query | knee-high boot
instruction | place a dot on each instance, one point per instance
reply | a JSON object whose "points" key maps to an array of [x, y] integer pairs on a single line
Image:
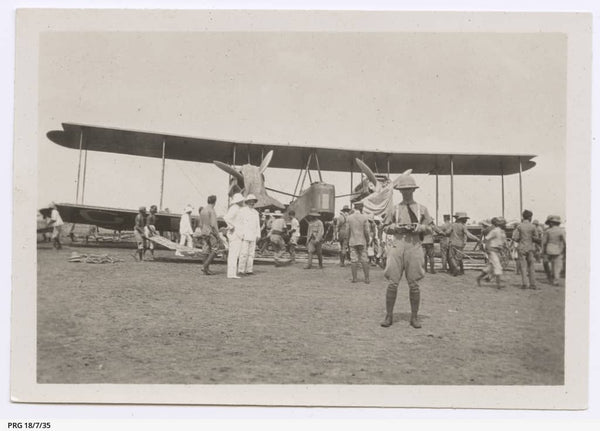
{"points": [[390, 300], [365, 267], [415, 299]]}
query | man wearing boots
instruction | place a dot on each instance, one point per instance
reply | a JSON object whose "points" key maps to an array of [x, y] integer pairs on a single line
{"points": [[209, 229], [428, 251], [358, 225], [495, 241], [458, 234], [409, 221], [278, 230], [342, 233], [138, 232], [553, 247], [526, 235], [445, 242], [314, 237], [150, 228]]}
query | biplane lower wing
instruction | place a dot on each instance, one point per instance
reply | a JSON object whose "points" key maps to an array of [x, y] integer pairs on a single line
{"points": [[113, 218]]}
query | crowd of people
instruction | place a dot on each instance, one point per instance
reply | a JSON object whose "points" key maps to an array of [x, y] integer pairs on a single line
{"points": [[402, 243]]}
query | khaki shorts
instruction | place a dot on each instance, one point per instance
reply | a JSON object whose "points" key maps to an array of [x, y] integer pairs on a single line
{"points": [[404, 257], [211, 242], [494, 258], [358, 253], [139, 239]]}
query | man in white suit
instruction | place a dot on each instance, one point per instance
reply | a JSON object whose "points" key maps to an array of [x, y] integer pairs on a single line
{"points": [[250, 234], [235, 230]]}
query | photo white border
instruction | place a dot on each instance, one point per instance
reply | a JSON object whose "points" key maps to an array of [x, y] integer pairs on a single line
{"points": [[571, 396]]}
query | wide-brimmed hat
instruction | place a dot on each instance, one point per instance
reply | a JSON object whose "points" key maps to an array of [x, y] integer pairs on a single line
{"points": [[314, 213], [237, 198], [553, 219], [188, 209], [460, 215], [251, 197], [277, 213], [51, 205], [346, 209]]}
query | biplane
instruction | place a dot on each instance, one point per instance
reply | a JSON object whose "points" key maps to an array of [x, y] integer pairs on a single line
{"points": [[249, 177]]}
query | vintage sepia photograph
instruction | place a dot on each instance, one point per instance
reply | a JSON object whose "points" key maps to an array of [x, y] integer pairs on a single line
{"points": [[231, 198]]}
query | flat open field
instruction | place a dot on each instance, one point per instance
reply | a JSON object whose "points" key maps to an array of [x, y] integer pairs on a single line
{"points": [[160, 322]]}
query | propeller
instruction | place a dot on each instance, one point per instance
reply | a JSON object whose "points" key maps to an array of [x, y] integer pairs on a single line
{"points": [[265, 162], [367, 171], [230, 170]]}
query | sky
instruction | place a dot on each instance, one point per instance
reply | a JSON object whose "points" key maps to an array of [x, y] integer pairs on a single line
{"points": [[491, 93]]}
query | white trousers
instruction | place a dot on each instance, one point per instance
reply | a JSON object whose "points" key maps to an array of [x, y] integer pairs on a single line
{"points": [[235, 244], [186, 239], [246, 262]]}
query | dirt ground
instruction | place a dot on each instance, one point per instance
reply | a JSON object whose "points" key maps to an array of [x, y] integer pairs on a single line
{"points": [[161, 322]]}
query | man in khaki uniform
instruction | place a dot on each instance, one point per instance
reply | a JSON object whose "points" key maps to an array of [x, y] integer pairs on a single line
{"points": [[358, 225], [458, 234], [314, 237], [554, 245], [210, 232], [278, 229], [342, 233], [409, 221], [444, 242], [526, 235]]}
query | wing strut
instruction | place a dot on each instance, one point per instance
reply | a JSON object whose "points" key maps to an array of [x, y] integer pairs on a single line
{"points": [[306, 171], [84, 176], [452, 185], [318, 167], [520, 186], [79, 166], [502, 186], [162, 176]]}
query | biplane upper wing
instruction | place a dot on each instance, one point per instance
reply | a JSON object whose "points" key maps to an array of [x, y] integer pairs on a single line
{"points": [[285, 156]]}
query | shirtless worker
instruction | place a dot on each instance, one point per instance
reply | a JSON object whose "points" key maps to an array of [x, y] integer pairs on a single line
{"points": [[138, 232], [209, 229], [408, 222], [150, 228]]}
